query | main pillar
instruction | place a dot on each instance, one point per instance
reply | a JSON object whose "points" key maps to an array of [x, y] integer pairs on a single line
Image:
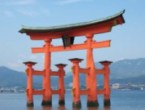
{"points": [[29, 90], [61, 83], [91, 81], [106, 82], [47, 96], [76, 83]]}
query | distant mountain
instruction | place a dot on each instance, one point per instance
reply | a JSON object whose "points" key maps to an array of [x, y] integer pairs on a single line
{"points": [[123, 71], [10, 78], [128, 68], [134, 80]]}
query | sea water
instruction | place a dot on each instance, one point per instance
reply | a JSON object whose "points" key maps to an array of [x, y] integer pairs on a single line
{"points": [[120, 100]]}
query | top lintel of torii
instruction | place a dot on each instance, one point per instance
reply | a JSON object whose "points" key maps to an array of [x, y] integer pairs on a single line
{"points": [[74, 30]]}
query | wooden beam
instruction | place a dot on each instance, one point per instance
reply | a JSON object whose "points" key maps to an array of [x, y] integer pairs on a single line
{"points": [[84, 92], [84, 70], [100, 71], [54, 73], [38, 50], [83, 46], [101, 44], [55, 91], [70, 48], [100, 91], [38, 92], [36, 72]]}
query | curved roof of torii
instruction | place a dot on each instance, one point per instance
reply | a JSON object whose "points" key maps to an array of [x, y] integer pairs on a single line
{"points": [[114, 19]]}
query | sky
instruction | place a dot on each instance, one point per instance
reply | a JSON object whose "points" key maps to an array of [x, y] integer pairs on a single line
{"points": [[127, 40]]}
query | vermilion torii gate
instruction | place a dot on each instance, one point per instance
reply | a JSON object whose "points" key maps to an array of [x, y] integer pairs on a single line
{"points": [[68, 33]]}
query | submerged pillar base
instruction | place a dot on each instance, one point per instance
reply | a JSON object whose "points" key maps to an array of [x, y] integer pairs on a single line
{"points": [[61, 102], [46, 103], [92, 104], [107, 102], [30, 104], [77, 104]]}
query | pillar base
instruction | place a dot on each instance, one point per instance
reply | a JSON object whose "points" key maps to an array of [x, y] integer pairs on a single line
{"points": [[61, 102], [107, 102], [46, 103], [30, 104], [76, 104], [92, 104]]}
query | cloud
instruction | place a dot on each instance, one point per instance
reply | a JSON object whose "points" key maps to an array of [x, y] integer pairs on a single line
{"points": [[18, 2], [45, 12], [68, 1], [9, 7], [18, 64], [63, 2], [15, 65], [7, 13], [29, 13], [23, 2], [23, 57], [25, 8], [34, 13]]}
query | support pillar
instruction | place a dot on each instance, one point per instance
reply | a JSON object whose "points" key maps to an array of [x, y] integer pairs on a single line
{"points": [[91, 81], [106, 82], [47, 96], [61, 86], [76, 83], [29, 90]]}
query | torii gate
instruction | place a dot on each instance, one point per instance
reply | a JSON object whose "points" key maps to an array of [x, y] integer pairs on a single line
{"points": [[68, 33]]}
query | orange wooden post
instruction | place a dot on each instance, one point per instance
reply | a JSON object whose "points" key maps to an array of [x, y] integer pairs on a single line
{"points": [[91, 80], [106, 82], [76, 82], [61, 86], [47, 96], [29, 90]]}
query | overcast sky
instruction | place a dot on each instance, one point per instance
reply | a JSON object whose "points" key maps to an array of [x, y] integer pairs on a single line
{"points": [[127, 40]]}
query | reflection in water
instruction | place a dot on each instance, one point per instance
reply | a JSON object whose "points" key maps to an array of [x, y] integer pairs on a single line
{"points": [[76, 109], [107, 108], [63, 108], [46, 108], [30, 108], [92, 108]]}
